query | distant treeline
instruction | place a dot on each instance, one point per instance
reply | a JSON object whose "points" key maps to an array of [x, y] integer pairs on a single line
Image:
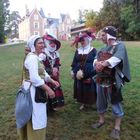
{"points": [[123, 14]]}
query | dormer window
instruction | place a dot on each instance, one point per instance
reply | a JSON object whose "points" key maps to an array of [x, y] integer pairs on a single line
{"points": [[35, 17]]}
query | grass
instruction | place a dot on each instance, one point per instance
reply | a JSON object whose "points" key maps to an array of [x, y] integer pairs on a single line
{"points": [[68, 123]]}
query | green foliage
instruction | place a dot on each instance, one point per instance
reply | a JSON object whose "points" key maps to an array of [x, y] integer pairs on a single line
{"points": [[124, 15], [127, 13], [69, 123], [13, 26], [131, 21], [1, 23], [4, 16], [110, 14], [90, 17]]}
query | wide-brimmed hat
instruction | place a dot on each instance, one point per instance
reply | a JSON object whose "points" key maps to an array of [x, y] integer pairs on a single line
{"points": [[80, 37], [51, 38]]}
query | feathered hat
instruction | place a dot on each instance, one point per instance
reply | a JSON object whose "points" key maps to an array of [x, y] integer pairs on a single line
{"points": [[51, 38], [86, 34]]}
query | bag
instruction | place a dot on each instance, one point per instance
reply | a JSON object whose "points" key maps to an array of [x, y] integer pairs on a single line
{"points": [[104, 80], [23, 107], [106, 77], [87, 81], [40, 95], [104, 56]]}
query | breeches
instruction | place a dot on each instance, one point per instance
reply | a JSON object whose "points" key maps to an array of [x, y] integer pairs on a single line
{"points": [[103, 98]]}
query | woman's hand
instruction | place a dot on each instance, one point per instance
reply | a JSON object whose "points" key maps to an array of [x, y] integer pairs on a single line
{"points": [[55, 72], [51, 93], [55, 83], [72, 74], [48, 90]]}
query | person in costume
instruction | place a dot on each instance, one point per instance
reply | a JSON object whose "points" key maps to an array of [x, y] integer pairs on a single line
{"points": [[82, 70], [112, 67], [36, 75], [51, 61]]}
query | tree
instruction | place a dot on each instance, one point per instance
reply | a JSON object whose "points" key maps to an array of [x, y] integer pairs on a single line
{"points": [[14, 20], [4, 17], [91, 17], [81, 17], [110, 13], [131, 21], [124, 15]]}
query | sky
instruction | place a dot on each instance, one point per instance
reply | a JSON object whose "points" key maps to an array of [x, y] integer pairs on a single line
{"points": [[55, 7]]}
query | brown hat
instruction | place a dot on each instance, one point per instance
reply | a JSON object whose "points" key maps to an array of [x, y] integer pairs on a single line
{"points": [[51, 38], [81, 37]]}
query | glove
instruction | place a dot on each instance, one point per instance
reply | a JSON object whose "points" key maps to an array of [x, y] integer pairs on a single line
{"points": [[79, 74]]}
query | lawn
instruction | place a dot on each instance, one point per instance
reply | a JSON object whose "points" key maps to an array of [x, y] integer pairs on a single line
{"points": [[69, 123]]}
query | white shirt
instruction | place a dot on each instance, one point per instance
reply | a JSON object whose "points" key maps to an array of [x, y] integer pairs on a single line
{"points": [[113, 61]]}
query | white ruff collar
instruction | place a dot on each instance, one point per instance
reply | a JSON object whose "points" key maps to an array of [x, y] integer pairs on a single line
{"points": [[52, 55], [51, 49], [84, 50]]}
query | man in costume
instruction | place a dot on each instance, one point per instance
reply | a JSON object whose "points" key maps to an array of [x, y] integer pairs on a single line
{"points": [[113, 71]]}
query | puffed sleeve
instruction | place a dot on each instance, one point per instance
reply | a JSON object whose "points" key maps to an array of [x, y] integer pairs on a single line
{"points": [[31, 63], [47, 77]]}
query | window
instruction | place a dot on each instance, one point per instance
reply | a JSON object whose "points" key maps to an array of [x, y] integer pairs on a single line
{"points": [[36, 25], [36, 33], [35, 17]]}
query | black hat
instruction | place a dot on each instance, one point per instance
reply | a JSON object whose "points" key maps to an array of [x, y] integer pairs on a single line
{"points": [[110, 30]]}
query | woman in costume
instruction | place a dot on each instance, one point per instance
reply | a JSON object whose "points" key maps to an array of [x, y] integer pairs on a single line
{"points": [[82, 70], [36, 75], [51, 61]]}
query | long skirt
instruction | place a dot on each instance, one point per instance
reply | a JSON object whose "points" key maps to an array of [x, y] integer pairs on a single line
{"points": [[27, 133], [58, 101], [85, 92]]}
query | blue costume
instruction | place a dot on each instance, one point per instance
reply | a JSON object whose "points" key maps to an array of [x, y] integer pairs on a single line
{"points": [[84, 89]]}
